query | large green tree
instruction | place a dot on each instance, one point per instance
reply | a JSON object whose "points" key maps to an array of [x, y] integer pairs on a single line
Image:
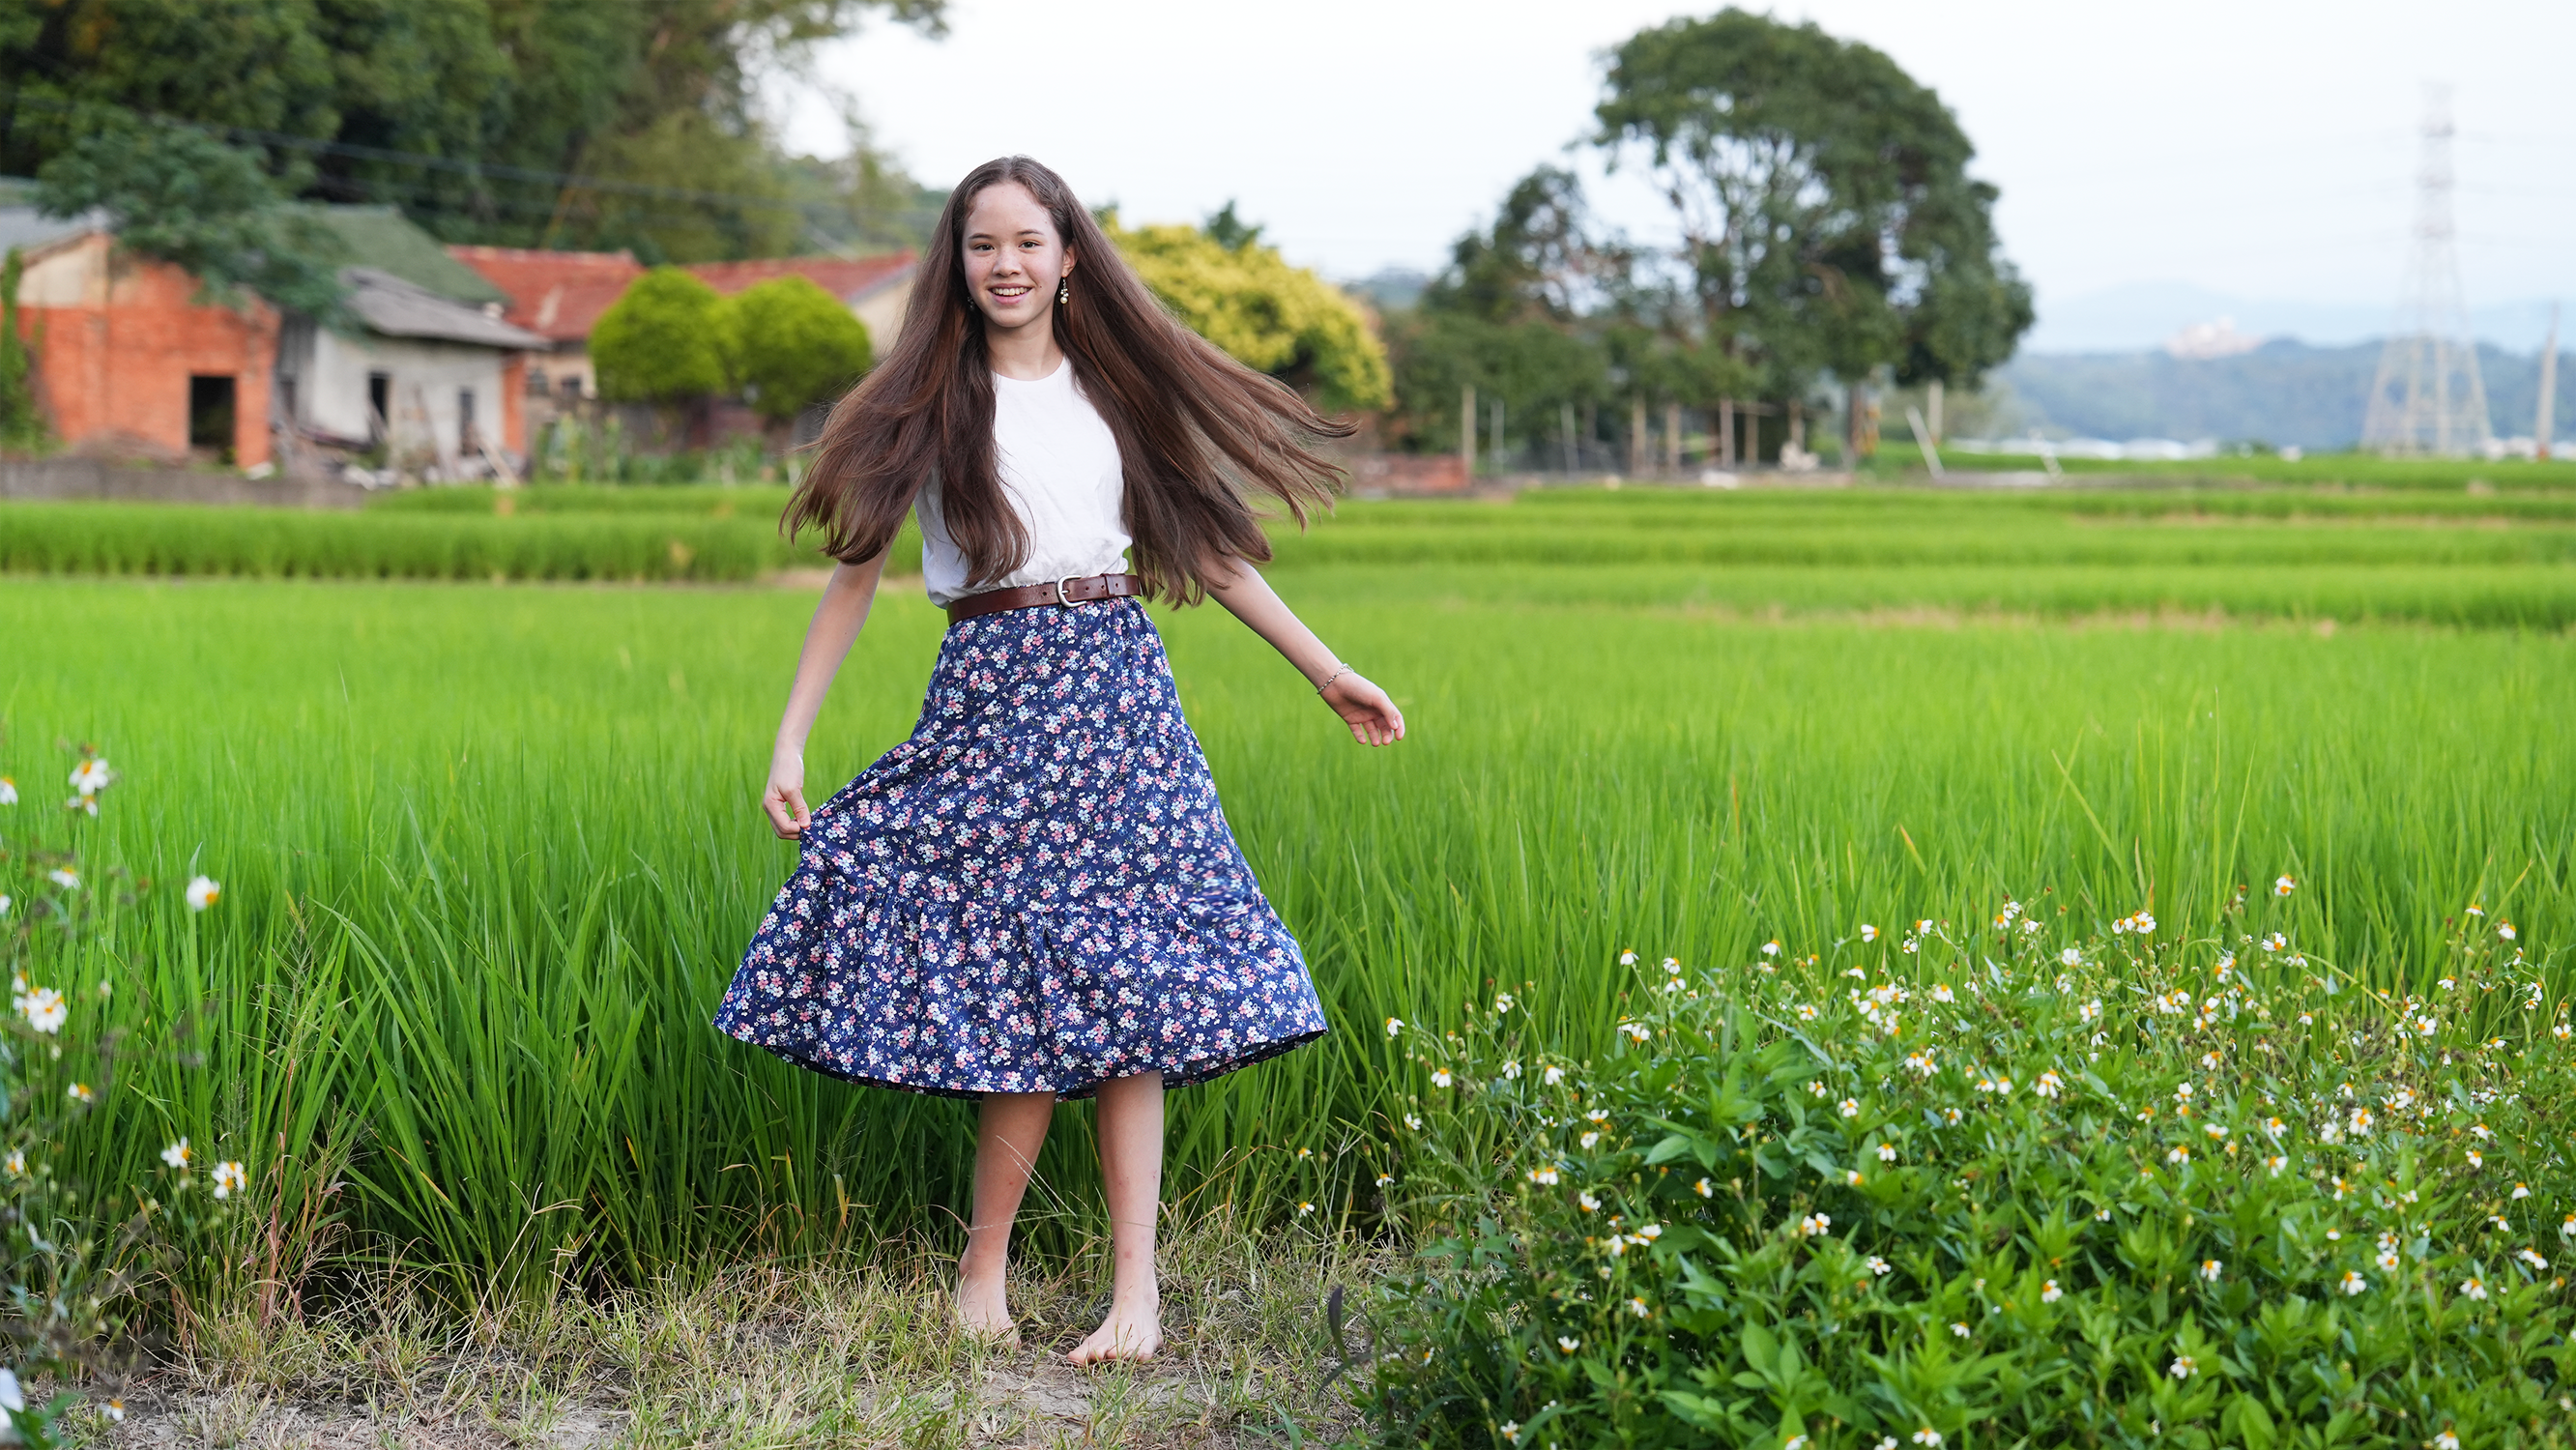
{"points": [[1532, 313], [180, 195], [470, 114], [1828, 216]]}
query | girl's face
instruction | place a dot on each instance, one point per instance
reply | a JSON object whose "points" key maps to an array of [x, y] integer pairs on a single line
{"points": [[1014, 258]]}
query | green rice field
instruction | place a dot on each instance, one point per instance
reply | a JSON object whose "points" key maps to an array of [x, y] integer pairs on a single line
{"points": [[489, 851]]}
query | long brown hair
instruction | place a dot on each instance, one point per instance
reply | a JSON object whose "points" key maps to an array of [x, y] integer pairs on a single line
{"points": [[1199, 434]]}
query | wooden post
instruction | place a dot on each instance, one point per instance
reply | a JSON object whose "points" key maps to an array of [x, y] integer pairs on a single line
{"points": [[1497, 449], [1726, 432], [1565, 432], [1636, 435], [1673, 438], [1467, 427], [1932, 405], [1753, 438]]}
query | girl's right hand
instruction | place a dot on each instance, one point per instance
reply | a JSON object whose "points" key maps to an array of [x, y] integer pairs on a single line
{"points": [[784, 800]]}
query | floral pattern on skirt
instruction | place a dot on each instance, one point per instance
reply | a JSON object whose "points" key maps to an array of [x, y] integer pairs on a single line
{"points": [[1035, 892]]}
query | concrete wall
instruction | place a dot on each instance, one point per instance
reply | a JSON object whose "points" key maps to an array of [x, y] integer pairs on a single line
{"points": [[116, 338], [569, 362], [424, 413], [882, 311]]}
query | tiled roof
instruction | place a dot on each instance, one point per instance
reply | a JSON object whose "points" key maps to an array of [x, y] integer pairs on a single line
{"points": [[557, 295], [842, 277], [26, 227], [399, 308], [383, 238]]}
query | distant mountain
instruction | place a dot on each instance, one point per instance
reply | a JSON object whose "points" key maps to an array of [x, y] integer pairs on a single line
{"points": [[2146, 314], [1391, 286], [2283, 392]]}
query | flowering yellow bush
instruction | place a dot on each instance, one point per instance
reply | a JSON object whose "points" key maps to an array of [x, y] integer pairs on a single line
{"points": [[1265, 314], [1996, 1187]]}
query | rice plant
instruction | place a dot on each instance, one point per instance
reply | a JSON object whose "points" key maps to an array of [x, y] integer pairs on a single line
{"points": [[489, 854]]}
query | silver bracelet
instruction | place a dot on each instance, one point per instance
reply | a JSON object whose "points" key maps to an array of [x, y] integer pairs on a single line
{"points": [[1338, 672]]}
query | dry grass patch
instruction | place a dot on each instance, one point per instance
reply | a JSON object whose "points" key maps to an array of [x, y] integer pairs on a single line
{"points": [[855, 1354]]}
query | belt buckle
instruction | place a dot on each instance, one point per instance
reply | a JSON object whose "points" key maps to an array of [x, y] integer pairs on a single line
{"points": [[1061, 601]]}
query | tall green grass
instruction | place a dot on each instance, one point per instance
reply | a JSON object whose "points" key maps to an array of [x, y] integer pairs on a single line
{"points": [[2395, 554], [166, 539], [2360, 470], [491, 854]]}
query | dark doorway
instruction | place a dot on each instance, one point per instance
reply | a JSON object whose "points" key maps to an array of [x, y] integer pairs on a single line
{"points": [[469, 441], [380, 406], [210, 416]]}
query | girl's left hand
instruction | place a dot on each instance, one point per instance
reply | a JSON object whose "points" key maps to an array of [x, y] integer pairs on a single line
{"points": [[1364, 707]]}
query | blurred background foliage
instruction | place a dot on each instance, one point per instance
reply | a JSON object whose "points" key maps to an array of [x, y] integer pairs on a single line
{"points": [[533, 123]]}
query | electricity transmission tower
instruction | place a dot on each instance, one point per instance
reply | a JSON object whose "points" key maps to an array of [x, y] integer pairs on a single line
{"points": [[2427, 399]]}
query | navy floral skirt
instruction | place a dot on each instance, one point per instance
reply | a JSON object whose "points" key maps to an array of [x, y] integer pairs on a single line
{"points": [[1036, 892]]}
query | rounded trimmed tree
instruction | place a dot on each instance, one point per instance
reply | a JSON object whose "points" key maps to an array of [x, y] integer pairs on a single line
{"points": [[793, 345], [661, 341]]}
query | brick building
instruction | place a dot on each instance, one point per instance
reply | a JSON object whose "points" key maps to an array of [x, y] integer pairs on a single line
{"points": [[129, 360]]}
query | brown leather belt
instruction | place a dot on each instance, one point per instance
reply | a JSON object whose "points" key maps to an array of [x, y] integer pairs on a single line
{"points": [[1066, 592]]}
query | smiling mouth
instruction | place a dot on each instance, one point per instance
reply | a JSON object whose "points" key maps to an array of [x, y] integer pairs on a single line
{"points": [[1011, 294]]}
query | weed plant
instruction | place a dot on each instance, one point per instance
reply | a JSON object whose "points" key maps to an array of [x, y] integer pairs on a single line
{"points": [[1996, 1184], [94, 1232]]}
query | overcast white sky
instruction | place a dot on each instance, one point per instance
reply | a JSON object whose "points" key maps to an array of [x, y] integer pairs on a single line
{"points": [[2253, 149]]}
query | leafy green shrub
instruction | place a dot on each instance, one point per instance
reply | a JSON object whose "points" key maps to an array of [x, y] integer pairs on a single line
{"points": [[1991, 1187], [21, 425], [793, 345], [661, 341], [1240, 294]]}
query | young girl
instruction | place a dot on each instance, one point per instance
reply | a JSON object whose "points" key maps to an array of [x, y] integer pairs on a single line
{"points": [[1036, 896]]}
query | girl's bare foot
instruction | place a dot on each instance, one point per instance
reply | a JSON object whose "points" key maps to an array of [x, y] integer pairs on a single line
{"points": [[982, 1311], [1129, 1333]]}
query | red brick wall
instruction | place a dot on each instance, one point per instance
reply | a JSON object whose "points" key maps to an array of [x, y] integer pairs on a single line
{"points": [[1409, 472], [514, 403], [121, 371]]}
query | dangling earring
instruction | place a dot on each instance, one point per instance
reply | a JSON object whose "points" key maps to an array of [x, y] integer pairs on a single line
{"points": [[1064, 289]]}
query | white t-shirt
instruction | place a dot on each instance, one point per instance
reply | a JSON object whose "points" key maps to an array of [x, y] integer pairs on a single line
{"points": [[1060, 469]]}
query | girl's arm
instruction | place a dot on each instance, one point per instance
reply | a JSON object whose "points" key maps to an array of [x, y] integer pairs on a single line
{"points": [[1364, 707], [837, 618]]}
